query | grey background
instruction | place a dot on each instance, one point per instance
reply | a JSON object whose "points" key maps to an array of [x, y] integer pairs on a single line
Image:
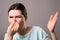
{"points": [[38, 11]]}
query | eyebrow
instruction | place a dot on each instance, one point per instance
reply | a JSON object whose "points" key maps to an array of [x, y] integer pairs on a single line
{"points": [[17, 16]]}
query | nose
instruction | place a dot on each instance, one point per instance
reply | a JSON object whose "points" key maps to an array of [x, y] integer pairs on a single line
{"points": [[14, 19]]}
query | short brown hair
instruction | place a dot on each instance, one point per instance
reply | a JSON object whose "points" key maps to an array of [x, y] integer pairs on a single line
{"points": [[19, 6]]}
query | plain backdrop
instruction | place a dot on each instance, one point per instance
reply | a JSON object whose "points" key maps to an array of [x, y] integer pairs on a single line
{"points": [[38, 11]]}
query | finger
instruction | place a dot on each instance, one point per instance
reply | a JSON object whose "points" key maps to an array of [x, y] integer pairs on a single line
{"points": [[55, 17], [16, 26], [51, 17], [55, 20], [56, 14], [11, 25]]}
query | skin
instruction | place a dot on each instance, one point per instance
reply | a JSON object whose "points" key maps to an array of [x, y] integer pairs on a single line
{"points": [[16, 21], [51, 25], [52, 22], [17, 24]]}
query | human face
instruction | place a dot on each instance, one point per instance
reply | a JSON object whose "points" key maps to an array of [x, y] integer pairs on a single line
{"points": [[16, 15]]}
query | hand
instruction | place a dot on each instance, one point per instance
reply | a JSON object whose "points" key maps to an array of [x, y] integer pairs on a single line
{"points": [[12, 29], [52, 22]]}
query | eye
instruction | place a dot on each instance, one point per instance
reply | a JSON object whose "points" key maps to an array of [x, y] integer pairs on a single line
{"points": [[19, 17], [11, 17]]}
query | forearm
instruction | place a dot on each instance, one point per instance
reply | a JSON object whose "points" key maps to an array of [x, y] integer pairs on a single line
{"points": [[53, 36]]}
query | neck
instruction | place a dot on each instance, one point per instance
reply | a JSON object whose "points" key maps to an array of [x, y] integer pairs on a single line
{"points": [[24, 30]]}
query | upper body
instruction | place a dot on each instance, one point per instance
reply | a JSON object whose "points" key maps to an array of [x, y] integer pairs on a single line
{"points": [[17, 17], [36, 33]]}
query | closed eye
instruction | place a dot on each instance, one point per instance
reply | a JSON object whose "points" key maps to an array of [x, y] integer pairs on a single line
{"points": [[11, 17], [18, 17]]}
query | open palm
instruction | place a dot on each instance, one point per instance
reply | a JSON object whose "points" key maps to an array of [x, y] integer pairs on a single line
{"points": [[52, 22]]}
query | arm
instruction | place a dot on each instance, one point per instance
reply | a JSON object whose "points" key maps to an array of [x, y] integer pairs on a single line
{"points": [[53, 35], [8, 37], [51, 25]]}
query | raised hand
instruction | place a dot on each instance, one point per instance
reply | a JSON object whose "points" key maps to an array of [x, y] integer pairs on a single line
{"points": [[52, 22]]}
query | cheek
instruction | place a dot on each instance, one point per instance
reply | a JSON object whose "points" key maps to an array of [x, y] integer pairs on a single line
{"points": [[10, 20], [19, 20]]}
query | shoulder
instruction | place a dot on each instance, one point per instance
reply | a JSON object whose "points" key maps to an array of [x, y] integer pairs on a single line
{"points": [[41, 33], [37, 28]]}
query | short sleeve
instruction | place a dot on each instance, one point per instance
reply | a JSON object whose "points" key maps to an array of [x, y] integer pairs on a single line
{"points": [[42, 35]]}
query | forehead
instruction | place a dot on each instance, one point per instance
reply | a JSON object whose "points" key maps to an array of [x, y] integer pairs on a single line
{"points": [[14, 12]]}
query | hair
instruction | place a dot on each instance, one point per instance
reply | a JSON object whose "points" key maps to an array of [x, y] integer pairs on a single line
{"points": [[18, 6]]}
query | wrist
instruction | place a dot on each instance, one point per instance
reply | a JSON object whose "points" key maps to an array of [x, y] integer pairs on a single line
{"points": [[8, 34]]}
